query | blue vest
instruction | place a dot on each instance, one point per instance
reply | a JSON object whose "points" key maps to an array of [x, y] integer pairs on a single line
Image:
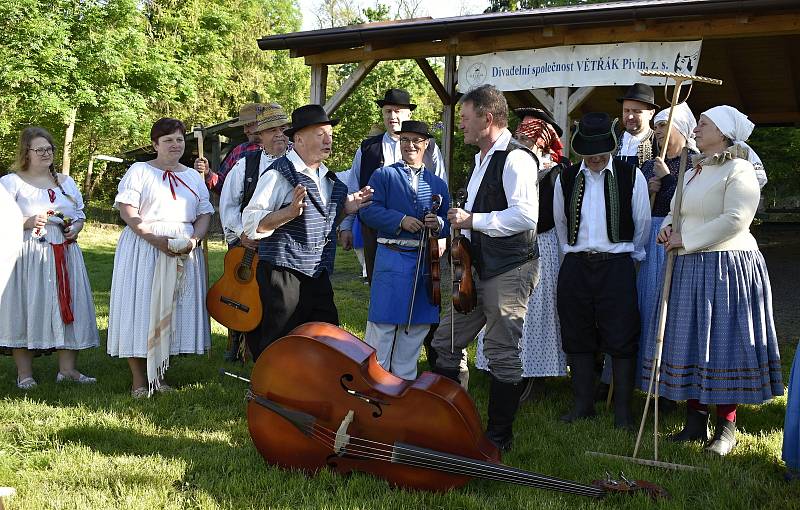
{"points": [[307, 243]]}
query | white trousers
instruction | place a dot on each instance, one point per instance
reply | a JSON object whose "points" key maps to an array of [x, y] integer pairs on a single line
{"points": [[397, 351]]}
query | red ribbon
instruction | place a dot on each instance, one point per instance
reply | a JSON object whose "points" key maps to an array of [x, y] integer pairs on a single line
{"points": [[52, 195], [173, 179], [543, 135], [62, 278]]}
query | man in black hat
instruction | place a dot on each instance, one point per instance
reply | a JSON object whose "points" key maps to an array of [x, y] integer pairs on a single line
{"points": [[637, 143], [602, 215], [383, 150], [499, 217], [294, 213], [400, 312]]}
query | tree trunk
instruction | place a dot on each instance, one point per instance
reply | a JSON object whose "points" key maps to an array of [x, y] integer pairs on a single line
{"points": [[65, 162]]}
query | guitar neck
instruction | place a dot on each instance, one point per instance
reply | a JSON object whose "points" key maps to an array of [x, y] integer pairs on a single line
{"points": [[249, 254]]}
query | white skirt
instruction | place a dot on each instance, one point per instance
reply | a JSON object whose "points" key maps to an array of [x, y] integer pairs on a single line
{"points": [[541, 333], [129, 310], [30, 315]]}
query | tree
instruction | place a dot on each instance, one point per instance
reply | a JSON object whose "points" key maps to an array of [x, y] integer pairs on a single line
{"points": [[516, 5]]}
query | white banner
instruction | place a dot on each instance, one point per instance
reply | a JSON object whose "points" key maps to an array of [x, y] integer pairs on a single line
{"points": [[578, 66]]}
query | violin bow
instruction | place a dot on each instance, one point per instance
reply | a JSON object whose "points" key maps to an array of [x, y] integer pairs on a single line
{"points": [[422, 238]]}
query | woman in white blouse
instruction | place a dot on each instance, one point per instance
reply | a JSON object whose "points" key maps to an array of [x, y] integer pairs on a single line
{"points": [[158, 288], [720, 345], [47, 301]]}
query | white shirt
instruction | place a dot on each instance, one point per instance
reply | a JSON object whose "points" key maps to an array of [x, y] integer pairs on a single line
{"points": [[630, 143], [230, 200], [520, 175], [593, 232], [274, 192], [391, 154]]}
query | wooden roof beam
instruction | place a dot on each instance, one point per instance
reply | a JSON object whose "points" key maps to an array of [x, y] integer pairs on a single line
{"points": [[349, 85], [472, 44], [433, 79]]}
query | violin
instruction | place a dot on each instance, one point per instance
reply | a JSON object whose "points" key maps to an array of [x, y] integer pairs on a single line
{"points": [[465, 298], [319, 399], [435, 276]]}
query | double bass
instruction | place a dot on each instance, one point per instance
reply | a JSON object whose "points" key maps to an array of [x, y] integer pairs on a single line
{"points": [[319, 399]]}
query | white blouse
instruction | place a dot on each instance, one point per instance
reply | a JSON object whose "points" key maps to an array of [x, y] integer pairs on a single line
{"points": [[151, 189], [32, 200]]}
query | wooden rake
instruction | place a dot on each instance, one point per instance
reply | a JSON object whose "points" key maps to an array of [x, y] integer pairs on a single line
{"points": [[655, 372]]}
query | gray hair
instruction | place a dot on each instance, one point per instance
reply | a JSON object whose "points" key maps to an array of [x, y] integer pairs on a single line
{"points": [[488, 99]]}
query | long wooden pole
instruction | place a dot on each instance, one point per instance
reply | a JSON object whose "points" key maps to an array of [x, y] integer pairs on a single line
{"points": [[663, 306], [198, 134]]}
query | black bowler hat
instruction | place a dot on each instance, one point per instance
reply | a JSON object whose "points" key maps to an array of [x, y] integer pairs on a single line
{"points": [[538, 113], [415, 126], [640, 92], [397, 97], [308, 115], [595, 135]]}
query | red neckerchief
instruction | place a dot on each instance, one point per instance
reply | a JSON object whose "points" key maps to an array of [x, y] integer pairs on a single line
{"points": [[174, 179]]}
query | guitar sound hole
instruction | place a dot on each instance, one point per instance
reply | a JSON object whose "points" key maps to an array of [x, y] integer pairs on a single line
{"points": [[243, 273]]}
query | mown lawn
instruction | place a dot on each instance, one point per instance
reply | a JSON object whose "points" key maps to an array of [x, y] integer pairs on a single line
{"points": [[68, 447]]}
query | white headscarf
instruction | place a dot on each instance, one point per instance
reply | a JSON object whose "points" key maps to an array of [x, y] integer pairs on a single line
{"points": [[682, 120], [736, 126]]}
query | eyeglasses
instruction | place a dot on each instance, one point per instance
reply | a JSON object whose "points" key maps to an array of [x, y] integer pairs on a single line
{"points": [[41, 151], [416, 141]]}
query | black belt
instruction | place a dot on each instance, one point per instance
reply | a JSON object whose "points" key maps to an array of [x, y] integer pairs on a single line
{"points": [[397, 247], [596, 256]]}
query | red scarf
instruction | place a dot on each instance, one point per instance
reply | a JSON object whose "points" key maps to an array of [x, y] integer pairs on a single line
{"points": [[62, 279], [543, 135], [174, 179]]}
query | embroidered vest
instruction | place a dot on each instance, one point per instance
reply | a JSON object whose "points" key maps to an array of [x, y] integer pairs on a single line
{"points": [[307, 243], [646, 150], [618, 194], [496, 255]]}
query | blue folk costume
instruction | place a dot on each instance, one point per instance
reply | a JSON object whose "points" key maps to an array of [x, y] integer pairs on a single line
{"points": [[392, 199], [791, 428]]}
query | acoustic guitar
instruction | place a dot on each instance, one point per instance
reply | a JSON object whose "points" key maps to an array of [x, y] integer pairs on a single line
{"points": [[233, 300]]}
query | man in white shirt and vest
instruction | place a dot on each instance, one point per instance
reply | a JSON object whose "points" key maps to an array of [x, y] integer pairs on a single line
{"points": [[637, 143], [293, 213], [602, 215], [499, 217], [384, 150]]}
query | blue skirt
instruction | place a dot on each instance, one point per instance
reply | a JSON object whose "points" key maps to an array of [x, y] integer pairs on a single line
{"points": [[648, 287], [720, 345], [791, 426]]}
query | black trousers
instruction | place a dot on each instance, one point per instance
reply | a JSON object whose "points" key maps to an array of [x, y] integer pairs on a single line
{"points": [[597, 305], [289, 299]]}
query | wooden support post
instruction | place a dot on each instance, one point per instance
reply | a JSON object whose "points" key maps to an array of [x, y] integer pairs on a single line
{"points": [[561, 112], [577, 98], [545, 98], [349, 85], [449, 114], [319, 83], [216, 152]]}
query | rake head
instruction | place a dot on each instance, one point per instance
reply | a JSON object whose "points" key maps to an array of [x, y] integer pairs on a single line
{"points": [[682, 77]]}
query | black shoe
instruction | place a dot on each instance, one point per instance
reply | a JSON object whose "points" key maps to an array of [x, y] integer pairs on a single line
{"points": [[503, 404], [583, 381], [724, 437], [695, 429], [624, 376]]}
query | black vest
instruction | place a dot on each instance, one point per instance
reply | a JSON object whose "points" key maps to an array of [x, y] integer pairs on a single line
{"points": [[496, 255], [547, 187], [252, 162], [618, 193]]}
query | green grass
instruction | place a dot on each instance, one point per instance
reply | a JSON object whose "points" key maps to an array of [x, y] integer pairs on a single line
{"points": [[65, 447]]}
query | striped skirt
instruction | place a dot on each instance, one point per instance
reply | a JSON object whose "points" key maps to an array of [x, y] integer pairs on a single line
{"points": [[720, 345]]}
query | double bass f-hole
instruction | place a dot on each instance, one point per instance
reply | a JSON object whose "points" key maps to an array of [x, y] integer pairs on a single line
{"points": [[346, 378]]}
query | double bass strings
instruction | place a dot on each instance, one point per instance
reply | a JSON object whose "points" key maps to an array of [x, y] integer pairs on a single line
{"points": [[442, 462]]}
